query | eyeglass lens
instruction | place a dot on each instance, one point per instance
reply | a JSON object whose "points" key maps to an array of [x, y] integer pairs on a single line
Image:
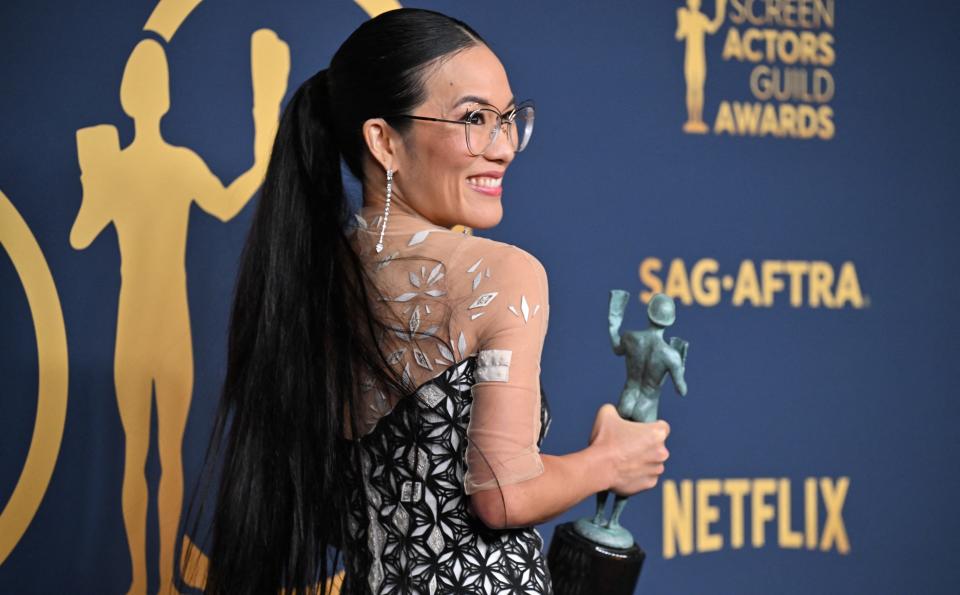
{"points": [[484, 126]]}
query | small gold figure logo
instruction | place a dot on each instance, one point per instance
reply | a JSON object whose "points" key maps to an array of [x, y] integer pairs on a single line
{"points": [[693, 27]]}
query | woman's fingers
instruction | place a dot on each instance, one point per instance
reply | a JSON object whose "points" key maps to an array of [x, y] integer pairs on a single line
{"points": [[637, 451], [663, 426]]}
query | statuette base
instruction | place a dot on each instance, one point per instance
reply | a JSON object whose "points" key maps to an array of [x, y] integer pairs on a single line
{"points": [[581, 567]]}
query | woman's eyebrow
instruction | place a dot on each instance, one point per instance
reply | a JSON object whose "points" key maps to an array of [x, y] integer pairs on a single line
{"points": [[478, 99]]}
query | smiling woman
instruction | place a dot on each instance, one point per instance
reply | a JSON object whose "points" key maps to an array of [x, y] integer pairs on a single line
{"points": [[440, 169], [382, 399]]}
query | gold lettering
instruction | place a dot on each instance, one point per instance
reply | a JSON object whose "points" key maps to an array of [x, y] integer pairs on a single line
{"points": [[808, 14], [704, 282], [738, 12], [823, 13], [770, 82], [807, 125], [787, 47], [810, 511], [808, 48], [820, 280], [724, 121], [823, 86], [848, 287], [770, 123], [827, 54], [761, 511], [648, 270], [834, 530], [707, 514], [682, 501], [748, 117], [788, 39], [771, 36], [702, 285], [788, 119], [771, 283], [796, 269], [737, 489], [786, 536], [805, 14], [761, 82], [751, 15], [677, 518], [772, 12], [747, 286], [749, 36], [788, 13], [732, 46], [677, 283], [827, 129]]}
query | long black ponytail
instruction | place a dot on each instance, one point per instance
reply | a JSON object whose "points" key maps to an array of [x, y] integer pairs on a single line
{"points": [[302, 332]]}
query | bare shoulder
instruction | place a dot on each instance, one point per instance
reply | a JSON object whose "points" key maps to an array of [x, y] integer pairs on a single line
{"points": [[485, 254]]}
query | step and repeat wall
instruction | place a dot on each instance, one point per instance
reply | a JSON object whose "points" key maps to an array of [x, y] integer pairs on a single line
{"points": [[784, 169]]}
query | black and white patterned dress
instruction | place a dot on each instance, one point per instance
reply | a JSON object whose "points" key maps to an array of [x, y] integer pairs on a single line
{"points": [[418, 534]]}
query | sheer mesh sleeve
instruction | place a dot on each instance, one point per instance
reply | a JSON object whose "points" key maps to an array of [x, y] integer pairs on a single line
{"points": [[505, 417]]}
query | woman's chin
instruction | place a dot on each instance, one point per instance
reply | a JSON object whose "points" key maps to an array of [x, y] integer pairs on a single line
{"points": [[485, 216]]}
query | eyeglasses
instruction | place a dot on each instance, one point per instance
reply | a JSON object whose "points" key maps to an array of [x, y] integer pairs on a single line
{"points": [[483, 124]]}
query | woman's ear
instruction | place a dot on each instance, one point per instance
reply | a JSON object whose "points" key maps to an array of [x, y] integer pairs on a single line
{"points": [[383, 142]]}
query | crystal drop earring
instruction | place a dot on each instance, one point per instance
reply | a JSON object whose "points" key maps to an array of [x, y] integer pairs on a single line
{"points": [[386, 210]]}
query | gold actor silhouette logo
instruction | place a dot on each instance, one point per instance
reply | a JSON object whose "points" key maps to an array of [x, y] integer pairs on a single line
{"points": [[146, 190], [693, 27]]}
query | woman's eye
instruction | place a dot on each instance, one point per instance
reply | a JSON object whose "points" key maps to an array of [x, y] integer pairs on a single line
{"points": [[475, 118]]}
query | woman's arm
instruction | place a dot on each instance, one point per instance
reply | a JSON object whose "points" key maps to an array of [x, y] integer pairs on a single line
{"points": [[625, 457]]}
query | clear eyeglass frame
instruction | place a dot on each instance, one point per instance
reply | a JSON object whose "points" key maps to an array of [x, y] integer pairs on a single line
{"points": [[481, 119]]}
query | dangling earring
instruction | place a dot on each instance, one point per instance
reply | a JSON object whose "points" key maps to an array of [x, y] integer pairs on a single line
{"points": [[386, 210]]}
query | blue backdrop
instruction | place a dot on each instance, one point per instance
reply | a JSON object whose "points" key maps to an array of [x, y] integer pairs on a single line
{"points": [[806, 233]]}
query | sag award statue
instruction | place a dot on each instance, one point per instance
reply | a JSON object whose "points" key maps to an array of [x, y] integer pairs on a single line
{"points": [[598, 555]]}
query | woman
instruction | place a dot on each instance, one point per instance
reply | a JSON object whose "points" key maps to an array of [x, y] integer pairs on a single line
{"points": [[382, 396]]}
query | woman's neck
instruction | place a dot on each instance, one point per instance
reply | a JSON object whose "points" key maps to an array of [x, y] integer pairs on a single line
{"points": [[399, 210]]}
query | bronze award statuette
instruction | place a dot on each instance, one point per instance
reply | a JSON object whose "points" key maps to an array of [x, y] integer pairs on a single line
{"points": [[597, 555]]}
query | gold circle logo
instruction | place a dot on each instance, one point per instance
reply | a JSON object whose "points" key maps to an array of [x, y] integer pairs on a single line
{"points": [[23, 249]]}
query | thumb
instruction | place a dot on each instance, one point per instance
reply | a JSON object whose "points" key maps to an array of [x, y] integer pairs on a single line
{"points": [[602, 419]]}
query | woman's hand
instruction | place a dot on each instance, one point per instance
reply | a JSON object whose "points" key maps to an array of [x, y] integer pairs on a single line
{"points": [[634, 451], [624, 456]]}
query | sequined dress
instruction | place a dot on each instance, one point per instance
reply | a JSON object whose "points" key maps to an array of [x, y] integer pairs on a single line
{"points": [[469, 318]]}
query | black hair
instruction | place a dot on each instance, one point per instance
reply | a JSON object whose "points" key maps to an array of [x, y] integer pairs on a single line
{"points": [[302, 331]]}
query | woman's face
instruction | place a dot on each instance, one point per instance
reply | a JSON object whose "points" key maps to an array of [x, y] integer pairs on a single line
{"points": [[436, 174]]}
